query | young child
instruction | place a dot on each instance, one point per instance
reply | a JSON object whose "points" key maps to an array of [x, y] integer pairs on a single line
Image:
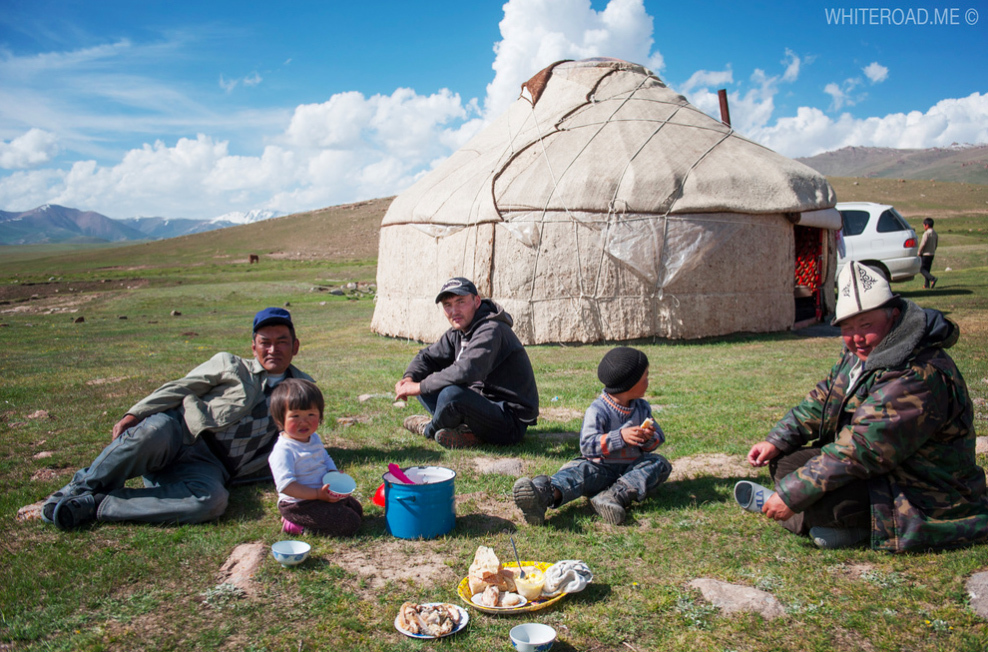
{"points": [[616, 466], [299, 461]]}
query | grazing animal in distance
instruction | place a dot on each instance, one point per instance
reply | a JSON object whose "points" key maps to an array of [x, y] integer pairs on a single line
{"points": [[253, 258]]}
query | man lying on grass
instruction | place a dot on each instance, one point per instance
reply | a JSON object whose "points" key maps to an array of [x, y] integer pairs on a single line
{"points": [[189, 439], [892, 432]]}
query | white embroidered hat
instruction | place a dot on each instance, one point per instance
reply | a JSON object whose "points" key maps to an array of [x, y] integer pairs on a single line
{"points": [[859, 289]]}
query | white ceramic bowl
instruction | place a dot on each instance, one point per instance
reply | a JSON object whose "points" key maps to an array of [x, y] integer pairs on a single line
{"points": [[290, 553], [532, 637], [340, 484]]}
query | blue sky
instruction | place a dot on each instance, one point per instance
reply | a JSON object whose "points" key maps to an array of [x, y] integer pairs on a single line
{"points": [[195, 109]]}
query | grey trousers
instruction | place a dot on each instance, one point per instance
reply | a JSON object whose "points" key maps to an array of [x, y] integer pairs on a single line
{"points": [[183, 483]]}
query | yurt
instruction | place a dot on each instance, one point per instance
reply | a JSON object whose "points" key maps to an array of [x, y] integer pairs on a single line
{"points": [[602, 206]]}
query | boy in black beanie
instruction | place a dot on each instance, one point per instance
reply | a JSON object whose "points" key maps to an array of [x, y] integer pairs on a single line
{"points": [[618, 435]]}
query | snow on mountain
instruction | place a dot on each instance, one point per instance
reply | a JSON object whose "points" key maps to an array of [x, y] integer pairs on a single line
{"points": [[249, 217]]}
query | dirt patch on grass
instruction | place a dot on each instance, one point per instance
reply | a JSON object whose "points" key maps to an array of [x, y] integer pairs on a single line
{"points": [[559, 414], [852, 571], [396, 560], [20, 292], [716, 465]]}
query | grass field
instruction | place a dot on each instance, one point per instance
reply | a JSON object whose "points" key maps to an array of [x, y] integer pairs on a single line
{"points": [[137, 587]]}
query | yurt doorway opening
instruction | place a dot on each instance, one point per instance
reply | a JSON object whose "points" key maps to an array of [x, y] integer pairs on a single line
{"points": [[809, 275]]}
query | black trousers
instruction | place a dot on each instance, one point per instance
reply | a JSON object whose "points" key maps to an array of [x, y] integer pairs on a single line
{"points": [[846, 507]]}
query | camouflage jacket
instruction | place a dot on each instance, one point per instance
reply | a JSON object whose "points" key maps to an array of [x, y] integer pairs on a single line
{"points": [[907, 428]]}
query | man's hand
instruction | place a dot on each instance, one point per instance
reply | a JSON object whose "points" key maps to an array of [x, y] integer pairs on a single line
{"points": [[776, 509], [636, 435], [761, 453], [128, 421], [406, 387]]}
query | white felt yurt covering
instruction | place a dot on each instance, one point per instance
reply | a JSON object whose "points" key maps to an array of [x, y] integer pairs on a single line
{"points": [[603, 206]]}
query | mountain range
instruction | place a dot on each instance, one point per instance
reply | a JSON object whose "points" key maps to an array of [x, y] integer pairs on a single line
{"points": [[957, 163], [57, 224]]}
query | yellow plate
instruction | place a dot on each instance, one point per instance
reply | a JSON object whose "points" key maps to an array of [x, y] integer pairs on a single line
{"points": [[463, 590]]}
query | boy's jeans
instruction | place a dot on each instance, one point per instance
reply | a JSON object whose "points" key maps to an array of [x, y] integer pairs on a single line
{"points": [[581, 477], [455, 405]]}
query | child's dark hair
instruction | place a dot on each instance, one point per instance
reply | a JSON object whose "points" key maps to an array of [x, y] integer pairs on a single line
{"points": [[294, 394], [928, 222]]}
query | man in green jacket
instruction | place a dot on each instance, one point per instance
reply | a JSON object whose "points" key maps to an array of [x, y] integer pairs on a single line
{"points": [[189, 439], [883, 449]]}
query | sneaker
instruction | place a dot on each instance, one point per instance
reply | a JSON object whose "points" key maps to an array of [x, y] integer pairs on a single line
{"points": [[612, 503], [933, 283], [751, 495], [293, 529], [48, 507], [832, 538], [533, 497], [74, 512], [417, 423], [458, 437]]}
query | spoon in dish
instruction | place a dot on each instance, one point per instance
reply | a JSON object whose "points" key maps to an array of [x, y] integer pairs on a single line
{"points": [[517, 558]]}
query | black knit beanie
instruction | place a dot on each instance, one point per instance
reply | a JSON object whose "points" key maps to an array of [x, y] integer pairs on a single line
{"points": [[621, 369]]}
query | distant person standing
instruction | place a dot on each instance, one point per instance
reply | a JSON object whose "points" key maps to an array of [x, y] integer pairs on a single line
{"points": [[927, 248]]}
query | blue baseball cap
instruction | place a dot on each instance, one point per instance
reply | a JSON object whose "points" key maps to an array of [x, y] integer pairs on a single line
{"points": [[273, 317], [457, 285]]}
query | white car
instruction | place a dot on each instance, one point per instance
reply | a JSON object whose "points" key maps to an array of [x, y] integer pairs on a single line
{"points": [[875, 234]]}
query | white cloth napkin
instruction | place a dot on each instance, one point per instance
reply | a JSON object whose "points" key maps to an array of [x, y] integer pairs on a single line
{"points": [[567, 576]]}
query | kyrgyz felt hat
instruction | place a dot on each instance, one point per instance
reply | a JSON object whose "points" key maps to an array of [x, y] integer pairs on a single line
{"points": [[621, 369], [859, 289]]}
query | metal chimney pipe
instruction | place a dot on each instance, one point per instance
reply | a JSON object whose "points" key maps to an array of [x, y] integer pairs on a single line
{"points": [[725, 114]]}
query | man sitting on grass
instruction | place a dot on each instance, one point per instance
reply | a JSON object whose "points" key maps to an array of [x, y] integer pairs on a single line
{"points": [[476, 381], [892, 432], [188, 439]]}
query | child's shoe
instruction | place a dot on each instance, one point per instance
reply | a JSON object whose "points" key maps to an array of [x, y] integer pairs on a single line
{"points": [[533, 497], [751, 495], [293, 529], [611, 503]]}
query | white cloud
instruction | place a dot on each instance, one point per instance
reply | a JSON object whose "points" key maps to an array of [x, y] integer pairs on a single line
{"points": [[844, 94], [749, 109], [228, 84], [537, 33], [811, 131], [876, 72], [706, 79], [253, 79], [34, 148], [792, 63]]}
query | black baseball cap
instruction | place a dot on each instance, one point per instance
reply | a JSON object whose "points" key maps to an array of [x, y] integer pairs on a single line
{"points": [[457, 285]]}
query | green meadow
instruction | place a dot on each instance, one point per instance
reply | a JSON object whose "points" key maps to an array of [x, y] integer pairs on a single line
{"points": [[88, 332]]}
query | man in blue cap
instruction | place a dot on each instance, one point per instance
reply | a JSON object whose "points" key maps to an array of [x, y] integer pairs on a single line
{"points": [[189, 439], [476, 381]]}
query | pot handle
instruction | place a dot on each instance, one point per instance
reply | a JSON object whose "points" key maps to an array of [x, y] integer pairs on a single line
{"points": [[410, 499]]}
